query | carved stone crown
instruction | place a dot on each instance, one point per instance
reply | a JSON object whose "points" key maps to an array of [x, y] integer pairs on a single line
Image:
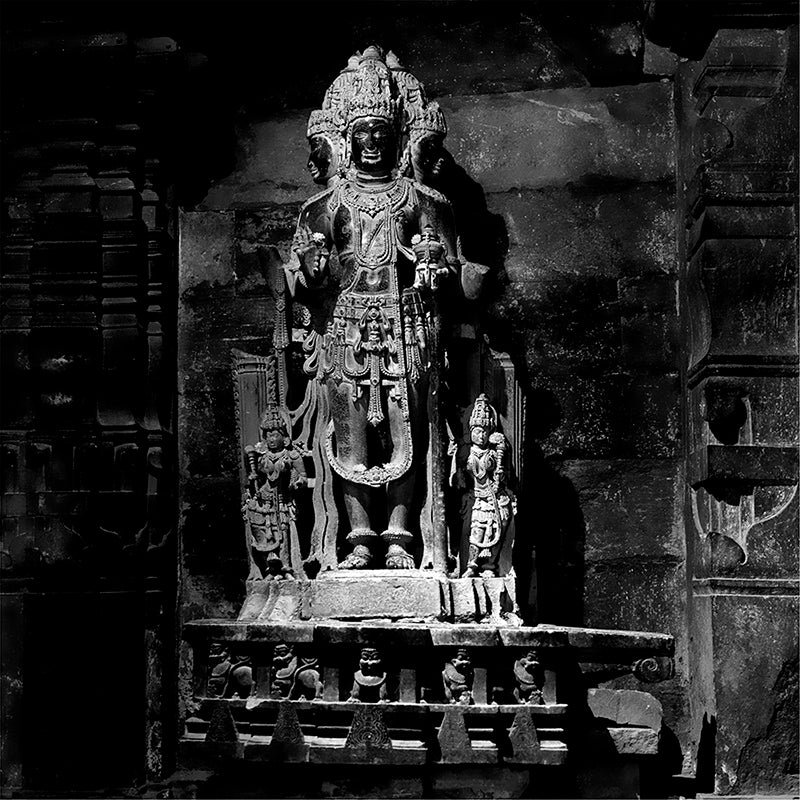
{"points": [[372, 92], [320, 121], [483, 415], [426, 120], [273, 420]]}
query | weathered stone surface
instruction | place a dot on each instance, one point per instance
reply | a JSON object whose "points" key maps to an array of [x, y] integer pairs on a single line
{"points": [[617, 415], [466, 782], [361, 596], [631, 507], [207, 247], [578, 135], [626, 707], [524, 741], [634, 595], [577, 232], [453, 738], [755, 682]]}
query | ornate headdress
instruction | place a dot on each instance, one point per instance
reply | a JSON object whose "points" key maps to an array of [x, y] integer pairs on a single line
{"points": [[483, 414], [320, 121], [424, 120], [372, 92], [374, 84], [273, 419]]}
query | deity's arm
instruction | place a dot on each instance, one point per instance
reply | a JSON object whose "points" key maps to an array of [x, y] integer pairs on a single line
{"points": [[313, 239], [435, 211], [298, 471]]}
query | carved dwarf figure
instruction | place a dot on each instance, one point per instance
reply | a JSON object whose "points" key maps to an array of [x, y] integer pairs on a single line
{"points": [[293, 677], [458, 677], [230, 675], [369, 681], [529, 677], [493, 502], [276, 472], [382, 247]]}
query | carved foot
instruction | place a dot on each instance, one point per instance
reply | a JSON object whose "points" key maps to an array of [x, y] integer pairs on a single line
{"points": [[360, 558], [398, 558], [396, 555], [471, 571]]}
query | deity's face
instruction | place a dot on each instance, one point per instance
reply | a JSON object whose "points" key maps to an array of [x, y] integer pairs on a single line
{"points": [[462, 661], [374, 146], [370, 663], [530, 658], [479, 435], [428, 157], [320, 158], [274, 440]]}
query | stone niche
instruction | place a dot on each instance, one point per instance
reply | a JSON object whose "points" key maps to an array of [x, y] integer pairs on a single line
{"points": [[366, 592]]}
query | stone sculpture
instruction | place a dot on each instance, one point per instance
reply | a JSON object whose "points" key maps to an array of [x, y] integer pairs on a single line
{"points": [[457, 678], [494, 504], [529, 677], [294, 677], [230, 674], [369, 680], [276, 471], [376, 256]]}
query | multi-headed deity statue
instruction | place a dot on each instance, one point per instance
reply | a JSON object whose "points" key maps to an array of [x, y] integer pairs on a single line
{"points": [[375, 254], [494, 504], [276, 472]]}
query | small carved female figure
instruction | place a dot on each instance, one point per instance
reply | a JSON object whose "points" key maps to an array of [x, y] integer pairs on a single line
{"points": [[276, 472], [494, 504]]}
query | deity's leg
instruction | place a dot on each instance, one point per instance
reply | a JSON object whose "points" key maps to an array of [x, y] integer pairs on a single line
{"points": [[350, 427], [400, 492]]}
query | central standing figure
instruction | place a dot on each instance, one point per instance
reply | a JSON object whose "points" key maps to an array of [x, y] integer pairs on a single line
{"points": [[380, 252]]}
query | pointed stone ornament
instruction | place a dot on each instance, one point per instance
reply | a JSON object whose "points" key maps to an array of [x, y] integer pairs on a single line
{"points": [[368, 729], [288, 740], [454, 739], [222, 727], [524, 740]]}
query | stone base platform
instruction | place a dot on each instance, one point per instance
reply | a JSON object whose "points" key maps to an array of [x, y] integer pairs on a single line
{"points": [[420, 595], [244, 711]]}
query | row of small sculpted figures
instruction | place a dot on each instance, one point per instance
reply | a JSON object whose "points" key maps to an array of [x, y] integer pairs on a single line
{"points": [[299, 677]]}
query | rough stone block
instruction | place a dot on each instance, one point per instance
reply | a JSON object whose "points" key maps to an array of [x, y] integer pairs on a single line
{"points": [[626, 707], [634, 741], [462, 592], [389, 595], [283, 602]]}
